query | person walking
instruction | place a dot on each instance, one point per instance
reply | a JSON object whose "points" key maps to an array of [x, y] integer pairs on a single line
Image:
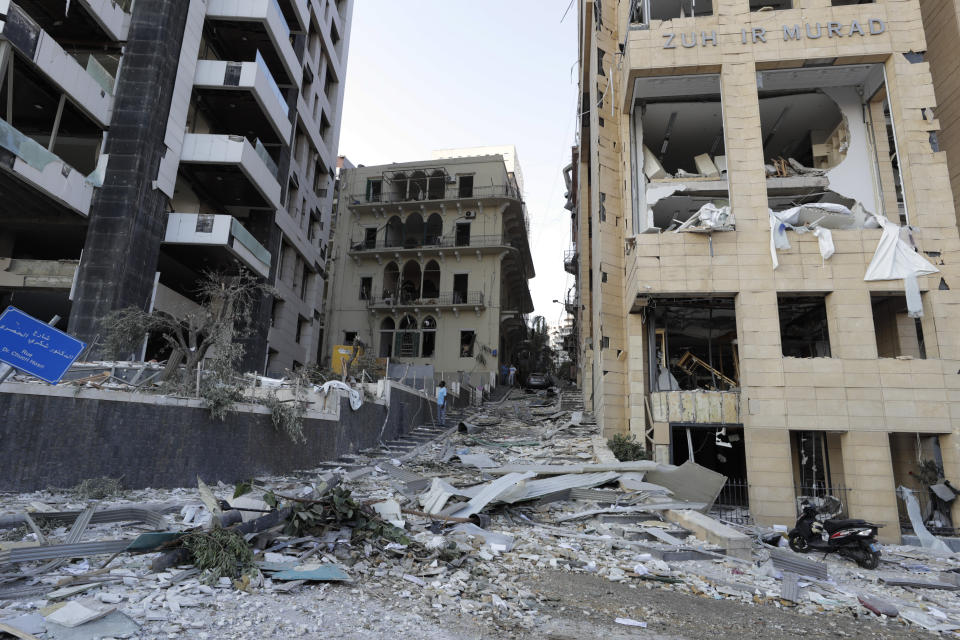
{"points": [[512, 379], [442, 404]]}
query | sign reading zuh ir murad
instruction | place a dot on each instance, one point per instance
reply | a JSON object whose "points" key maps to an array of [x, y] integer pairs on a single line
{"points": [[873, 27], [35, 347]]}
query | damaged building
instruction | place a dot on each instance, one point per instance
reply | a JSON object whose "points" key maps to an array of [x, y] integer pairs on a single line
{"points": [[763, 242], [122, 191], [430, 264]]}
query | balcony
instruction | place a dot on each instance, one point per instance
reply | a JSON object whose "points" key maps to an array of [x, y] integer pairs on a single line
{"points": [[241, 28], [44, 171], [445, 300], [429, 244], [440, 194], [231, 170], [89, 88], [228, 240], [245, 97], [87, 20], [571, 259], [296, 13], [37, 274]]}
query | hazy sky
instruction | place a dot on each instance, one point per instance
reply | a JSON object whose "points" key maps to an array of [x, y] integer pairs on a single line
{"points": [[436, 74]]}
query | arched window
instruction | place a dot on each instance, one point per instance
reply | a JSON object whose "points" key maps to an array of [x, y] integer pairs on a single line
{"points": [[386, 337], [408, 338], [434, 230], [429, 337], [391, 283], [431, 280], [410, 281], [413, 231], [394, 232]]}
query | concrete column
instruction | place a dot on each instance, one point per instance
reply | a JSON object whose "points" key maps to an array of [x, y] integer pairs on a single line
{"points": [[770, 475], [128, 215], [868, 470], [850, 323]]}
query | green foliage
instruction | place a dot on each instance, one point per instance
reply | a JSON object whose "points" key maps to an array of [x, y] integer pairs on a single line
{"points": [[338, 508], [286, 415], [626, 448], [219, 553]]}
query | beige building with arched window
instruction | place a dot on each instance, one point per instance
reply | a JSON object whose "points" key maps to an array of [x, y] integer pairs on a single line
{"points": [[430, 264]]}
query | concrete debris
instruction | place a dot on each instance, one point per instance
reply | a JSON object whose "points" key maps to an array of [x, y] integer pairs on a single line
{"points": [[428, 539], [478, 460]]}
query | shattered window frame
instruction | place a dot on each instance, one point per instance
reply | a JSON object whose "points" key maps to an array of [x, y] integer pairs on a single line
{"points": [[791, 309]]}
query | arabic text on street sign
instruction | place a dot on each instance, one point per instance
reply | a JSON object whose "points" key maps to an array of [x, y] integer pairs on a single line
{"points": [[36, 348]]}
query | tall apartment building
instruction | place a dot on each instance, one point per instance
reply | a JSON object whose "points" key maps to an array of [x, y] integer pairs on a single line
{"points": [[766, 245], [431, 261], [148, 141]]}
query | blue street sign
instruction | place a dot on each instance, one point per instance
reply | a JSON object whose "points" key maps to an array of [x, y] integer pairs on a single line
{"points": [[35, 347]]}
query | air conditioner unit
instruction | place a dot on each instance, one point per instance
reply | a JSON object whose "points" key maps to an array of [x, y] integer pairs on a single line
{"points": [[451, 179], [470, 215]]}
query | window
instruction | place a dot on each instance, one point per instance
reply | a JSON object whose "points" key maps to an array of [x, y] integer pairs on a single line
{"points": [[302, 323], [370, 238], [407, 338], [205, 223], [460, 281], [642, 11], [465, 187], [803, 326], [304, 284], [386, 337], [768, 5], [467, 338], [275, 309], [349, 337], [374, 187], [429, 337], [366, 285], [463, 234], [897, 333]]}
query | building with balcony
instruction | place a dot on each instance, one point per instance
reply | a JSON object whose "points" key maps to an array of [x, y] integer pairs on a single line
{"points": [[431, 261], [766, 243], [147, 142]]}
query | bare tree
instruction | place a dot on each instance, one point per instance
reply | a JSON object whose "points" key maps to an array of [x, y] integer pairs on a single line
{"points": [[223, 317]]}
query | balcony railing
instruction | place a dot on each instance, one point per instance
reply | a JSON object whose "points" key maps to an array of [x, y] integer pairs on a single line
{"points": [[443, 299], [570, 259], [432, 242], [448, 192]]}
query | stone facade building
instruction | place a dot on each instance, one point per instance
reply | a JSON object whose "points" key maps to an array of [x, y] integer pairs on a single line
{"points": [[430, 263], [146, 142], [766, 246]]}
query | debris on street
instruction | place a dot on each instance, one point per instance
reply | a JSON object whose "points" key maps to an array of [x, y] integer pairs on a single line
{"points": [[428, 536]]}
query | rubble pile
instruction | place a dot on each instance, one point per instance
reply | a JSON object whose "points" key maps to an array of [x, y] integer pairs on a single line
{"points": [[453, 528]]}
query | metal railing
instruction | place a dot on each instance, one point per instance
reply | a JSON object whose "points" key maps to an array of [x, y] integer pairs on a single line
{"points": [[733, 503], [432, 242], [449, 192], [570, 258], [445, 298]]}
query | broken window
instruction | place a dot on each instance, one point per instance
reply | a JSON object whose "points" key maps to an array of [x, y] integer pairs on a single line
{"points": [[460, 287], [407, 338], [821, 129], [718, 448], [349, 337], [462, 234], [692, 343], [817, 462], [678, 147], [466, 343], [897, 333], [370, 238], [387, 327], [917, 462], [770, 5], [642, 11], [803, 326]]}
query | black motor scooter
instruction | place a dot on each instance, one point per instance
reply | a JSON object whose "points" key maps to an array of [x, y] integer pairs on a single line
{"points": [[854, 539]]}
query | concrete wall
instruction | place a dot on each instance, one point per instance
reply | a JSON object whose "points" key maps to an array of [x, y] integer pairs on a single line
{"points": [[53, 438]]}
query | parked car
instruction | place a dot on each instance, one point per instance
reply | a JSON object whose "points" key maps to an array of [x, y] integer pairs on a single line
{"points": [[538, 381]]}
